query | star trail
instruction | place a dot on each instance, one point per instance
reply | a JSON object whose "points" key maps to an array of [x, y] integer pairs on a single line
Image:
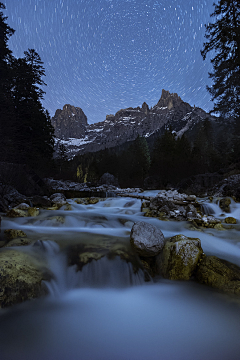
{"points": [[104, 55]]}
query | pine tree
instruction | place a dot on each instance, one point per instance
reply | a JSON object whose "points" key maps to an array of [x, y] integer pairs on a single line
{"points": [[34, 136], [6, 105], [223, 37]]}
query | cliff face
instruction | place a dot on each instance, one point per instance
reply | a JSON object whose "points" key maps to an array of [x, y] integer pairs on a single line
{"points": [[71, 122], [79, 137]]}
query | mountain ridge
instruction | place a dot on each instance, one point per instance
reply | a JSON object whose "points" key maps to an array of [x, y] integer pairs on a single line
{"points": [[73, 131]]}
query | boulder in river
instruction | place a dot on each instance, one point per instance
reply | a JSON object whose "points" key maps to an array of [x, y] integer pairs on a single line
{"points": [[230, 220], [20, 279], [179, 258], [13, 233], [58, 199], [224, 204], [41, 201], [219, 274], [146, 239]]}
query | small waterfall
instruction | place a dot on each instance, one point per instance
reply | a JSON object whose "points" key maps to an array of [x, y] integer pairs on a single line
{"points": [[109, 273], [115, 273], [208, 209], [57, 264]]}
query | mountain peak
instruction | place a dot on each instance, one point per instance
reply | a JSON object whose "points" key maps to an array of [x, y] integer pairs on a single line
{"points": [[69, 122], [169, 100]]}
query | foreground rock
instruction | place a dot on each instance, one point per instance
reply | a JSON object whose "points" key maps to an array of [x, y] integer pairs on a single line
{"points": [[179, 258], [219, 274], [147, 240], [20, 279]]}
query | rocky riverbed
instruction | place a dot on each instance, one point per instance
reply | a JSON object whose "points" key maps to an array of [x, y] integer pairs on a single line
{"points": [[53, 247]]}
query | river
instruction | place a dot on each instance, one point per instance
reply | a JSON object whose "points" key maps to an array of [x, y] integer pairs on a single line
{"points": [[106, 311]]}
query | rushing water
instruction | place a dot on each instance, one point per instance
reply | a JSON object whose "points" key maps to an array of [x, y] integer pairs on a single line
{"points": [[106, 311]]}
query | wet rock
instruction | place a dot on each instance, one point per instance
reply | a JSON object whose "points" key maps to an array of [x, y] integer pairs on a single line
{"points": [[219, 274], [17, 213], [179, 258], [12, 234], [56, 219], [207, 221], [22, 206], [58, 199], [146, 239], [129, 203], [230, 220], [79, 201], [32, 211], [93, 201], [87, 201], [224, 204], [11, 196], [191, 212], [20, 279], [86, 257], [219, 227], [19, 242], [40, 201], [68, 207]]}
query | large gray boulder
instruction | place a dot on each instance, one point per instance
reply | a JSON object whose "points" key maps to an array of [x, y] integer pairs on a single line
{"points": [[147, 240]]}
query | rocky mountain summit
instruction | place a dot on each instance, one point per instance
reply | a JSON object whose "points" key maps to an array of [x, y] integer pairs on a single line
{"points": [[72, 129], [71, 122]]}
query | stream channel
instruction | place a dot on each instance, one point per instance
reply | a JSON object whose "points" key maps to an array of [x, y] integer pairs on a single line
{"points": [[106, 311]]}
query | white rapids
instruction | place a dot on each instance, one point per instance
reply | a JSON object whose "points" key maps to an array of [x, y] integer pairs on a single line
{"points": [[106, 311]]}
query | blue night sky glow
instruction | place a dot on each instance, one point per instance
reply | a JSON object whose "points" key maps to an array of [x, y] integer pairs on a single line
{"points": [[104, 55]]}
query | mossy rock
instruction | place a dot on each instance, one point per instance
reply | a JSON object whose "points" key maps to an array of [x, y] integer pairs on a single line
{"points": [[145, 205], [92, 201], [219, 274], [20, 279], [179, 258], [12, 234], [86, 257], [224, 204], [55, 207], [58, 219], [219, 227], [17, 213], [68, 207], [33, 211], [162, 216], [230, 220], [79, 201], [19, 242], [148, 213]]}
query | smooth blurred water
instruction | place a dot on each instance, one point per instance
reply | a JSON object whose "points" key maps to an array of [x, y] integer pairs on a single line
{"points": [[106, 311]]}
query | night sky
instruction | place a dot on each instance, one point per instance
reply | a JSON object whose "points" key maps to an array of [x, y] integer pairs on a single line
{"points": [[104, 55]]}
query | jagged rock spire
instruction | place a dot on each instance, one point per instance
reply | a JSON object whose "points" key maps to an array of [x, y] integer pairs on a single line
{"points": [[70, 122]]}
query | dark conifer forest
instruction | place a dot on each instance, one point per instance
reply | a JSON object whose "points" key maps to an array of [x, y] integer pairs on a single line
{"points": [[25, 126]]}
